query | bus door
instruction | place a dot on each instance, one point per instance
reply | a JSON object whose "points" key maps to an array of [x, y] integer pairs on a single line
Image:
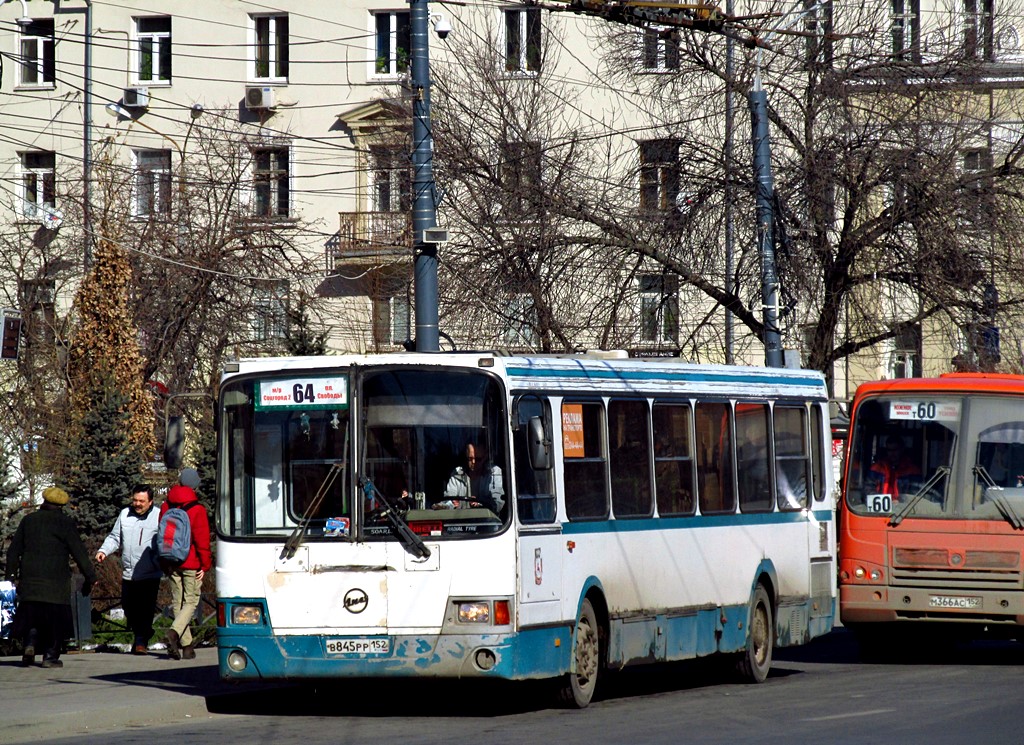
{"points": [[540, 534]]}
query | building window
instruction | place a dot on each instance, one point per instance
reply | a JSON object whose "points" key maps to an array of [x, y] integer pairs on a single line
{"points": [[521, 322], [906, 30], [979, 39], [660, 50], [520, 171], [819, 34], [522, 40], [977, 174], [390, 179], [38, 184], [271, 181], [270, 47], [154, 51], [38, 56], [659, 308], [392, 320], [659, 175], [152, 182], [393, 42], [38, 310], [270, 311], [905, 360]]}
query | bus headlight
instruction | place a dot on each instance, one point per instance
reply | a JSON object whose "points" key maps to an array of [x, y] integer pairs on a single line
{"points": [[246, 615], [475, 612]]}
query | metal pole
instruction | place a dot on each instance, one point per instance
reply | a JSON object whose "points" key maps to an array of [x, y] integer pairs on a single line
{"points": [[730, 125], [423, 210], [758, 101]]}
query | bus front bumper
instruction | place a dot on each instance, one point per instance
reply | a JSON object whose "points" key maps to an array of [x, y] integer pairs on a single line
{"points": [[881, 604], [537, 653]]}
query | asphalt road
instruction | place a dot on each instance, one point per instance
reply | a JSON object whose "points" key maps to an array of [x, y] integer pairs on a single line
{"points": [[822, 693]]}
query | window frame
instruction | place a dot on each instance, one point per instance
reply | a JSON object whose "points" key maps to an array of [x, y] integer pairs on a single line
{"points": [[979, 30], [660, 177], [597, 461], [658, 308], [160, 56], [522, 38], [521, 321], [682, 458], [270, 184], [396, 37], [273, 52], [156, 181], [269, 322], [42, 33], [784, 457], [906, 19], [36, 178], [390, 179], [629, 503], [760, 461], [659, 50]]}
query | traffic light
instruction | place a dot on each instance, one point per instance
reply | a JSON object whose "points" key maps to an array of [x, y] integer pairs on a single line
{"points": [[12, 334]]}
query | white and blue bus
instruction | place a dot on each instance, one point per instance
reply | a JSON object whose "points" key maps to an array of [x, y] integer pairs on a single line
{"points": [[619, 512]]}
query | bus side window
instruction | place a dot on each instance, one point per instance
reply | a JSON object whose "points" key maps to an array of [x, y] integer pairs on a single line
{"points": [[584, 460], [629, 458], [716, 491], [673, 460], [534, 494]]}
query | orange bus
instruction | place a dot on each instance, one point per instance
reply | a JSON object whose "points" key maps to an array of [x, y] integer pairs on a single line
{"points": [[932, 516]]}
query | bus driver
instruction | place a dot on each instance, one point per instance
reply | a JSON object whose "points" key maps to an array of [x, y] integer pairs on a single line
{"points": [[892, 471], [480, 481]]}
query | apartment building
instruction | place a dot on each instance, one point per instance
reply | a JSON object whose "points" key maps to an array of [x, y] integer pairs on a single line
{"points": [[314, 100]]}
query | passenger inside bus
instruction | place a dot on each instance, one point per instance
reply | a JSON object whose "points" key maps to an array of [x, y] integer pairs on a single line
{"points": [[894, 472], [477, 484]]}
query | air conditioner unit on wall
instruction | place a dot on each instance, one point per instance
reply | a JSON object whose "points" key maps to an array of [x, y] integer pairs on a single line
{"points": [[136, 98], [259, 97]]}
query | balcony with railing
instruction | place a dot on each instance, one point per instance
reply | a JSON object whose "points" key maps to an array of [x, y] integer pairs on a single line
{"points": [[372, 237]]}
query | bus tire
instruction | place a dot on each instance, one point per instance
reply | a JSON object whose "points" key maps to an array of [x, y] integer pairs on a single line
{"points": [[577, 687], [756, 659]]}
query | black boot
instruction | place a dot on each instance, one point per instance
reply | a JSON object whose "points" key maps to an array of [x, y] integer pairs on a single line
{"points": [[51, 657], [28, 654]]}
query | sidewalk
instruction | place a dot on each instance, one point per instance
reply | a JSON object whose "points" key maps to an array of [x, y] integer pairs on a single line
{"points": [[104, 691]]}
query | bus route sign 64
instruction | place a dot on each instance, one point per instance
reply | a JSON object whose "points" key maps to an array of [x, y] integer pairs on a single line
{"points": [[360, 645]]}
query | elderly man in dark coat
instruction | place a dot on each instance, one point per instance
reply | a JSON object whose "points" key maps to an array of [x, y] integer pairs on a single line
{"points": [[38, 562]]}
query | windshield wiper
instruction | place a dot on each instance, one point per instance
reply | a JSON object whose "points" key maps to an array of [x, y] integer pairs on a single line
{"points": [[897, 518], [995, 492], [295, 539], [412, 542]]}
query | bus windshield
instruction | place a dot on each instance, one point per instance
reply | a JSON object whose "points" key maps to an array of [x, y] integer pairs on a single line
{"points": [[327, 455], [937, 456]]}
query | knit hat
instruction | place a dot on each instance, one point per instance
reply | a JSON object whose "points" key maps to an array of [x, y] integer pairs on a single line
{"points": [[189, 477], [55, 495]]}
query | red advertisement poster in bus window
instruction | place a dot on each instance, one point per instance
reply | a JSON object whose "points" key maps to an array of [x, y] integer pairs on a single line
{"points": [[572, 431]]}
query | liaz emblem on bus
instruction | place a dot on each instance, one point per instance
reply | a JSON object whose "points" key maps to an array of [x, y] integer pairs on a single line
{"points": [[302, 393]]}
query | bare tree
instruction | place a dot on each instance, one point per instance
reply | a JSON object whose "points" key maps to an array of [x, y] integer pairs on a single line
{"points": [[897, 188]]}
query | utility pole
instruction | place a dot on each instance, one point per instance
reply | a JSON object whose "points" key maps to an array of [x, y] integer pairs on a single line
{"points": [[424, 214], [765, 189]]}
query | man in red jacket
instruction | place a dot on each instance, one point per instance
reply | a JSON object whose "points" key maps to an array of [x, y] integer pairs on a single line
{"points": [[187, 579]]}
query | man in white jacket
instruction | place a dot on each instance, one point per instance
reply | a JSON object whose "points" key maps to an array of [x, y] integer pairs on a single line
{"points": [[134, 534]]}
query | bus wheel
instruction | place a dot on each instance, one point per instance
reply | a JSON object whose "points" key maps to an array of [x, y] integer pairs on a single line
{"points": [[577, 687], [756, 659]]}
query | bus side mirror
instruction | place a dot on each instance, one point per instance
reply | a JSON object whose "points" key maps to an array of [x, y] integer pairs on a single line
{"points": [[539, 445], [174, 442]]}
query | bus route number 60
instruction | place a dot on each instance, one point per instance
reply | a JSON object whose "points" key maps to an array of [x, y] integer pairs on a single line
{"points": [[879, 503]]}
